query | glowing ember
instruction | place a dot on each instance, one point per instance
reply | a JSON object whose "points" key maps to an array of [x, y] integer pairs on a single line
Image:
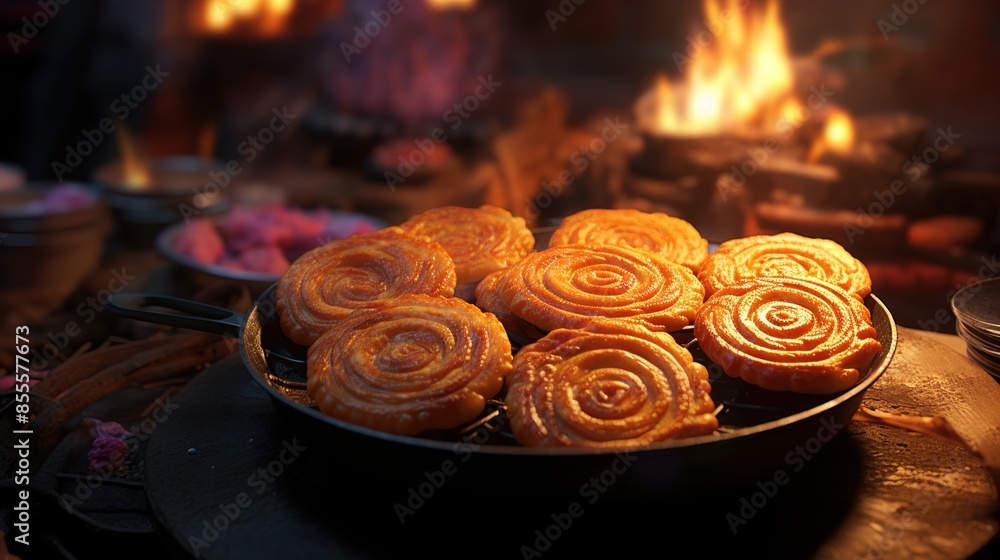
{"points": [[791, 110], [838, 136], [221, 16], [451, 4], [839, 132], [135, 173], [735, 81]]}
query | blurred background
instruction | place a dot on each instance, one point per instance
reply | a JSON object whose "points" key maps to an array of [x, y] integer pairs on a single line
{"points": [[870, 123], [170, 146]]}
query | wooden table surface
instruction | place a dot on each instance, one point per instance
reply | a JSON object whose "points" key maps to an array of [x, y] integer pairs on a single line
{"points": [[873, 492]]}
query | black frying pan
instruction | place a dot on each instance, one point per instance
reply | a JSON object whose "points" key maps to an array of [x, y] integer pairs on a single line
{"points": [[760, 431]]}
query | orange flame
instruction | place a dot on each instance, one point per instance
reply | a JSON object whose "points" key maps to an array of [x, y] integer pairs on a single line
{"points": [[135, 173], [732, 82], [451, 4], [837, 137], [839, 132], [221, 16]]}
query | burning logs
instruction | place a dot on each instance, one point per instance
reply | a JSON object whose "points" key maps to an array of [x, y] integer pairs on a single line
{"points": [[793, 182], [760, 133], [679, 173]]}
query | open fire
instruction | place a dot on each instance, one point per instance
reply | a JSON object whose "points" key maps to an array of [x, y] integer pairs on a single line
{"points": [[268, 17], [837, 137], [737, 79], [135, 172], [272, 18], [451, 4]]}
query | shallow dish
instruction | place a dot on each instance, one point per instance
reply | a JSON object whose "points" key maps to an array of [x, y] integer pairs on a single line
{"points": [[978, 306], [204, 275]]}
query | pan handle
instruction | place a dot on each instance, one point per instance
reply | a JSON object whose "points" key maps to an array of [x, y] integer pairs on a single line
{"points": [[200, 316]]}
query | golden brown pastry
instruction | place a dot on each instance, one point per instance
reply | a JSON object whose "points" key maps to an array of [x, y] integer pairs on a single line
{"points": [[575, 285], [418, 363], [788, 334], [673, 238], [480, 240], [611, 387], [785, 255], [488, 299], [329, 282]]}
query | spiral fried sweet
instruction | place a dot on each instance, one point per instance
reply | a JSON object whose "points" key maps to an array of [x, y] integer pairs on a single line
{"points": [[329, 282], [419, 363], [785, 255], [611, 387], [673, 238], [488, 299], [788, 334], [574, 285], [480, 240]]}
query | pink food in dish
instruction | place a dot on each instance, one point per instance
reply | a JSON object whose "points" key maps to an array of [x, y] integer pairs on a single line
{"points": [[239, 222], [265, 239], [306, 229], [200, 241], [264, 259], [246, 228], [67, 197], [232, 263], [62, 198]]}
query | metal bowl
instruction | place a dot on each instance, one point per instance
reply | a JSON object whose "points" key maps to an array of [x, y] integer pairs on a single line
{"points": [[205, 275], [174, 191], [15, 220], [47, 255]]}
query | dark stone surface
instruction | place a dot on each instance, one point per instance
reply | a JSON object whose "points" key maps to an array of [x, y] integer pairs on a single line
{"points": [[873, 492]]}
